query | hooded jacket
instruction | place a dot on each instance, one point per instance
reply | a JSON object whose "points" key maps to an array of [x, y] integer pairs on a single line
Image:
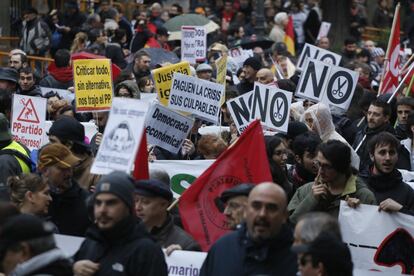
{"points": [[58, 77], [126, 249]]}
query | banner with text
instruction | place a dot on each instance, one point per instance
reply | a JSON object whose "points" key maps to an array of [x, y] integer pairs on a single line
{"points": [[221, 73], [163, 79], [185, 263], [166, 128], [28, 120], [239, 55], [379, 241], [240, 109], [122, 136], [193, 43], [93, 84], [199, 97], [311, 51]]}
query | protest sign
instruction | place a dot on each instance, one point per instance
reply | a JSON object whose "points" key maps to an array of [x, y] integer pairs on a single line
{"points": [[378, 241], [182, 172], [193, 43], [323, 30], [68, 244], [187, 263], [63, 93], [28, 120], [122, 136], [166, 128], [239, 109], [272, 106], [221, 73], [93, 84], [199, 97], [239, 55], [322, 82], [311, 51], [163, 78]]}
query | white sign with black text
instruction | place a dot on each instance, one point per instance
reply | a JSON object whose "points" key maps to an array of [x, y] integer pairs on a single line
{"points": [[239, 109], [185, 263], [193, 43], [311, 51]]}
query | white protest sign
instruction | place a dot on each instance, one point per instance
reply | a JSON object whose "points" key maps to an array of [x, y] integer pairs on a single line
{"points": [[378, 241], [187, 263], [239, 109], [311, 51], [90, 130], [122, 136], [28, 120], [182, 172], [193, 43], [272, 106], [239, 55], [166, 128], [199, 97], [149, 97], [322, 82], [63, 93], [68, 244], [323, 30]]}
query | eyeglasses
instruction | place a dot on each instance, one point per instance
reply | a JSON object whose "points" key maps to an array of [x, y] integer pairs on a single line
{"points": [[323, 166]]}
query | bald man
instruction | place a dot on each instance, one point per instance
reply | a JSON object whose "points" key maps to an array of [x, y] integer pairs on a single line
{"points": [[261, 246], [265, 76]]}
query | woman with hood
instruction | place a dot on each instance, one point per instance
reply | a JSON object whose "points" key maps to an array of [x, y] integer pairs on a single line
{"points": [[319, 120]]}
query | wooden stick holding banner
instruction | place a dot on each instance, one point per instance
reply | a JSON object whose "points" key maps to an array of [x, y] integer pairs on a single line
{"points": [[407, 92], [278, 70], [386, 60], [405, 66], [172, 205], [410, 70]]}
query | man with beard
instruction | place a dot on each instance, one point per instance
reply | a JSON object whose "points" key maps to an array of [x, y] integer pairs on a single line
{"points": [[117, 244], [383, 178], [27, 83], [100, 118], [68, 210], [140, 67], [261, 246], [349, 53]]}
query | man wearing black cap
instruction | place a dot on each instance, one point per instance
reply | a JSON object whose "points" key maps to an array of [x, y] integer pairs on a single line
{"points": [[27, 247], [235, 200], [152, 198], [250, 68], [35, 34], [71, 133], [8, 79], [117, 244]]}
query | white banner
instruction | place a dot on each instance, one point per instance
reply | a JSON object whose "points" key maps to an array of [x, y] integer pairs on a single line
{"points": [[68, 244], [182, 172], [239, 55], [63, 93], [187, 263], [240, 111], [193, 43], [311, 51], [28, 120], [166, 128], [378, 241], [122, 136], [323, 30], [199, 97]]}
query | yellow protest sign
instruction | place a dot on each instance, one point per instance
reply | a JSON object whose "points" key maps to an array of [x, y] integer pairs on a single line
{"points": [[221, 65], [93, 84], [163, 79]]}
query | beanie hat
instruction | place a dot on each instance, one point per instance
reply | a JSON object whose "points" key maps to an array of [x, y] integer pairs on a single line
{"points": [[253, 62], [119, 184], [377, 52], [68, 128]]}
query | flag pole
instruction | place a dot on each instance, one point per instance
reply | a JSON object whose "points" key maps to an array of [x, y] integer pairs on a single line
{"points": [[386, 61], [410, 70], [407, 93]]}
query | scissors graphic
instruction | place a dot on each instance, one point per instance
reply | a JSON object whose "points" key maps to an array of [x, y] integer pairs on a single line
{"points": [[338, 91], [277, 114]]}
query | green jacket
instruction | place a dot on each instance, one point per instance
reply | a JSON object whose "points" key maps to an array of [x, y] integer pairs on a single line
{"points": [[304, 202]]}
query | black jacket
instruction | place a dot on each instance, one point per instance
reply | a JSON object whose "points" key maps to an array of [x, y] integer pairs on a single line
{"points": [[244, 87], [69, 211], [237, 254], [34, 92], [391, 186], [126, 249]]}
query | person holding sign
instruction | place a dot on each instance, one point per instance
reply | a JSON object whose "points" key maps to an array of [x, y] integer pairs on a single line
{"points": [[250, 68]]}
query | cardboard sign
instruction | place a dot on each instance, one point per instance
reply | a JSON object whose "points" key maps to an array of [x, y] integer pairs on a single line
{"points": [[93, 84], [187, 263], [166, 128], [182, 172], [378, 241], [193, 43], [311, 51], [199, 97], [324, 30], [272, 106], [239, 109], [122, 136], [163, 79], [322, 82], [239, 55], [28, 120], [221, 73]]}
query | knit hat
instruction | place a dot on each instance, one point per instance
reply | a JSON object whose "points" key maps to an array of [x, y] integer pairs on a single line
{"points": [[5, 134], [253, 62], [119, 184], [9, 74], [204, 67], [377, 52], [68, 128], [56, 154], [153, 188]]}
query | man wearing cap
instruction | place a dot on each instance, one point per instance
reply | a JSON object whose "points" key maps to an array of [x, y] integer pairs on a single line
{"points": [[235, 200], [14, 157], [250, 68], [70, 132], [204, 71], [27, 247], [8, 79], [152, 198], [68, 209], [117, 244], [262, 245]]}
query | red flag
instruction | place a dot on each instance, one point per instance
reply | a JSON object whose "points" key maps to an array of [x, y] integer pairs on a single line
{"points": [[245, 162], [141, 170], [392, 69], [290, 37]]}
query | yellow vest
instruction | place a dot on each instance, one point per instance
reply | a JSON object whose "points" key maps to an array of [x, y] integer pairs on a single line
{"points": [[17, 147]]}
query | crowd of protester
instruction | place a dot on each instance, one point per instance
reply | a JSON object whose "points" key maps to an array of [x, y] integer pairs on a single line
{"points": [[276, 228]]}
